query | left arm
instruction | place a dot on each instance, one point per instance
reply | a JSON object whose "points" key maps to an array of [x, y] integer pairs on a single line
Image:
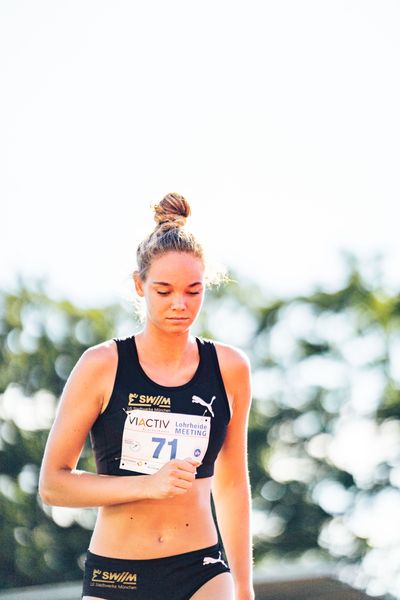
{"points": [[231, 485]]}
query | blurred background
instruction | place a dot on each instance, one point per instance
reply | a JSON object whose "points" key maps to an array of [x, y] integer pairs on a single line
{"points": [[279, 122]]}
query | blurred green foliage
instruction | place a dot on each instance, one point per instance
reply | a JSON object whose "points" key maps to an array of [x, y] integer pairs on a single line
{"points": [[305, 353]]}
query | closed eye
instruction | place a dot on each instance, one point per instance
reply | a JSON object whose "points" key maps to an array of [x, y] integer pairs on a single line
{"points": [[166, 293]]}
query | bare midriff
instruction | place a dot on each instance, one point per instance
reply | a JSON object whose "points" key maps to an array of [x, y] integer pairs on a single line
{"points": [[154, 528]]}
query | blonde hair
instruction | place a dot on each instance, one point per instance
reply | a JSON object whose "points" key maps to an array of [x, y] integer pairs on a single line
{"points": [[170, 234]]}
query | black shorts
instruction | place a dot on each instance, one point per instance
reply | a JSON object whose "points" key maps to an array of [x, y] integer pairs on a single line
{"points": [[175, 577]]}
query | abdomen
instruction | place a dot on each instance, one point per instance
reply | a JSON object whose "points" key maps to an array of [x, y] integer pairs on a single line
{"points": [[155, 528]]}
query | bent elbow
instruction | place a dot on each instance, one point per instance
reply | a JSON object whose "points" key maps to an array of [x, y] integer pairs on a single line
{"points": [[46, 491]]}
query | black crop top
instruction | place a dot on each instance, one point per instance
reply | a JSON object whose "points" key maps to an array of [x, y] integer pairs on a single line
{"points": [[146, 424]]}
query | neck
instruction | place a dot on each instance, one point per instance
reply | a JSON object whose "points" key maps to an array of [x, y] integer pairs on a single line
{"points": [[167, 348]]}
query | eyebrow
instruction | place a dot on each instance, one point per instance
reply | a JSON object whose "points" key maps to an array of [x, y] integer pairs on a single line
{"points": [[165, 283]]}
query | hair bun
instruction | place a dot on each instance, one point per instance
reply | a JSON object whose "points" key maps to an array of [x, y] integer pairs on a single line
{"points": [[172, 211]]}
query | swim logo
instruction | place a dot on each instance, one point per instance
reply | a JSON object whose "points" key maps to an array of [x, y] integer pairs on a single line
{"points": [[102, 578], [146, 401]]}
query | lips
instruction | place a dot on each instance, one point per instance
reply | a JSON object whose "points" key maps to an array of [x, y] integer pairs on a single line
{"points": [[177, 318]]}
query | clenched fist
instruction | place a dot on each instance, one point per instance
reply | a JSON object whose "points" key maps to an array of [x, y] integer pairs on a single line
{"points": [[174, 478]]}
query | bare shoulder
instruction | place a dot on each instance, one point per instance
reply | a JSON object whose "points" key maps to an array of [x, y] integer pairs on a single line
{"points": [[101, 359], [232, 359], [101, 354], [100, 362], [93, 374], [234, 365], [235, 370], [96, 363]]}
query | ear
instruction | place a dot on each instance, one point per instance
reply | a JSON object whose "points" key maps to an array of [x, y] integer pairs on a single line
{"points": [[138, 283]]}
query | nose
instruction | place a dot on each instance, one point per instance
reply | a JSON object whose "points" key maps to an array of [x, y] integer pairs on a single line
{"points": [[178, 303]]}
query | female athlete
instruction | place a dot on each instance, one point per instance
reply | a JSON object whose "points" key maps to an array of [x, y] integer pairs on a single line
{"points": [[167, 414]]}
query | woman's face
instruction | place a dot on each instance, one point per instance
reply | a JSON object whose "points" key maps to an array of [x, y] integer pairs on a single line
{"points": [[173, 290]]}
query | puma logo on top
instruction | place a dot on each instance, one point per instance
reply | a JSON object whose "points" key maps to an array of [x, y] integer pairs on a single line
{"points": [[198, 400], [207, 560]]}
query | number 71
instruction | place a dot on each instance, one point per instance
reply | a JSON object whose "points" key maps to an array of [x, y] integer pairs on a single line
{"points": [[161, 441]]}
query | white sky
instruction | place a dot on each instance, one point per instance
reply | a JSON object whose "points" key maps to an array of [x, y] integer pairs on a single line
{"points": [[279, 122]]}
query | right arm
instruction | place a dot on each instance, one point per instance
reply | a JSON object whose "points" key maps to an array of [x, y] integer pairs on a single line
{"points": [[60, 483]]}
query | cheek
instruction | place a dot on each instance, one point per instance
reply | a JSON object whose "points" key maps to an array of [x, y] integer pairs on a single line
{"points": [[198, 300], [159, 302], [155, 303]]}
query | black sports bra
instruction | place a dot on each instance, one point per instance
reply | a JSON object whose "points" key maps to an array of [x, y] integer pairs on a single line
{"points": [[145, 424]]}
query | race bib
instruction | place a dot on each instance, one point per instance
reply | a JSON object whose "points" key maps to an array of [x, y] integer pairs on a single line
{"points": [[152, 438]]}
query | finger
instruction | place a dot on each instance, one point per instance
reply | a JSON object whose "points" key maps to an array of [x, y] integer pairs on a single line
{"points": [[185, 474], [193, 461], [182, 484]]}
